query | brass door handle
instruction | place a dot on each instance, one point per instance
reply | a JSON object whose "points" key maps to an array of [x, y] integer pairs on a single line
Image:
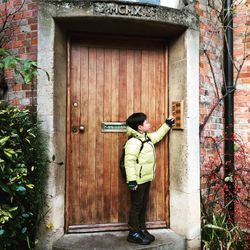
{"points": [[81, 129]]}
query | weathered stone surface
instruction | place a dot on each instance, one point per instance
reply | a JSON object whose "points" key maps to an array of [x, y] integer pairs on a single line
{"points": [[165, 240], [57, 19], [118, 9]]}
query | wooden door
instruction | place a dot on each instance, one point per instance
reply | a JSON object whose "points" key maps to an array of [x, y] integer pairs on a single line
{"points": [[109, 79]]}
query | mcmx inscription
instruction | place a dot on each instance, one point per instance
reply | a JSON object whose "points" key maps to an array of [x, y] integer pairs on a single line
{"points": [[124, 10]]}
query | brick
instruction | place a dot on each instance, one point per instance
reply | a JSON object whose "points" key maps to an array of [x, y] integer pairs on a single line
{"points": [[32, 6], [32, 20], [33, 34], [18, 16], [21, 36], [15, 102], [27, 14], [33, 26], [245, 80], [34, 41], [17, 44], [26, 87], [247, 74]]}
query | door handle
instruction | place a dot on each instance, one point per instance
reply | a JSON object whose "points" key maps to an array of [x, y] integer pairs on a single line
{"points": [[81, 129]]}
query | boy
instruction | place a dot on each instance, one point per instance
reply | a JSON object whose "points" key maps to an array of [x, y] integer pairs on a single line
{"points": [[140, 171]]}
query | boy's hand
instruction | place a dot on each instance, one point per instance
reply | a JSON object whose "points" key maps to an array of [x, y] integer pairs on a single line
{"points": [[170, 121], [132, 185]]}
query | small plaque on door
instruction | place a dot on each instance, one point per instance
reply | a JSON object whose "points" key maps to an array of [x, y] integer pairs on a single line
{"points": [[177, 111], [114, 127]]}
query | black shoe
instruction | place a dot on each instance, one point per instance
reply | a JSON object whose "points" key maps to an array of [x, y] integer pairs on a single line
{"points": [[148, 235], [138, 237]]}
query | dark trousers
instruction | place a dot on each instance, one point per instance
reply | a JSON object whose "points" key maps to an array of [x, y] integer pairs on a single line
{"points": [[139, 201]]}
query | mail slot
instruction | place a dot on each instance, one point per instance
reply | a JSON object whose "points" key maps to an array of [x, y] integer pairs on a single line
{"points": [[114, 127]]}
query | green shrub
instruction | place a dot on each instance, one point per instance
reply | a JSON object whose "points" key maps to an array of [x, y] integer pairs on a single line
{"points": [[219, 233], [23, 172]]}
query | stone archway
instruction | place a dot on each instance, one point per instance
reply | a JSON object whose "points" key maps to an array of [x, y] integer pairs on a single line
{"points": [[178, 27]]}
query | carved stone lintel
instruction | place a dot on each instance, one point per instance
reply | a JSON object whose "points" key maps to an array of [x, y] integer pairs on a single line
{"points": [[116, 9]]}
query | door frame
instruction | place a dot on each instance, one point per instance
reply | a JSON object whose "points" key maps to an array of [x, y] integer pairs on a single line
{"points": [[55, 21], [112, 226]]}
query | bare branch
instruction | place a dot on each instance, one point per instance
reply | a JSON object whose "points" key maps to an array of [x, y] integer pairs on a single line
{"points": [[212, 70], [212, 110], [243, 60], [7, 22], [215, 144], [15, 11], [222, 16]]}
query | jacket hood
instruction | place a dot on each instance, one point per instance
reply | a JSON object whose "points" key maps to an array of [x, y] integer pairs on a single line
{"points": [[133, 133]]}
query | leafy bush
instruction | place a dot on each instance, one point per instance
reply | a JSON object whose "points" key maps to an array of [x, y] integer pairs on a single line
{"points": [[23, 171]]}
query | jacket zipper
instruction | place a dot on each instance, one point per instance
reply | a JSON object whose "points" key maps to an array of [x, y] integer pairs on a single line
{"points": [[154, 160], [140, 171]]}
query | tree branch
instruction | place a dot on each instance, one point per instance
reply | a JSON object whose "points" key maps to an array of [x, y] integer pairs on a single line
{"points": [[212, 110], [212, 70]]}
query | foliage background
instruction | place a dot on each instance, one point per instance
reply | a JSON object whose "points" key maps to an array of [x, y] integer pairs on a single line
{"points": [[23, 172]]}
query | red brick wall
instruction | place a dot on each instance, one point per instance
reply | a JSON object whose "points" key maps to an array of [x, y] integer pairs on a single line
{"points": [[241, 50], [242, 96], [211, 41], [24, 43]]}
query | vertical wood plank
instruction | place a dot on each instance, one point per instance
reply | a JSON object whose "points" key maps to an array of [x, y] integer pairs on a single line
{"points": [[83, 137], [122, 104], [166, 166], [157, 121], [152, 86], [115, 141], [75, 118], [160, 150], [151, 117], [122, 83], [107, 144], [99, 136], [91, 132], [145, 82], [138, 80], [130, 82]]}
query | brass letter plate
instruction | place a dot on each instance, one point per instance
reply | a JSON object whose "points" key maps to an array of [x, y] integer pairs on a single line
{"points": [[114, 127], [177, 111]]}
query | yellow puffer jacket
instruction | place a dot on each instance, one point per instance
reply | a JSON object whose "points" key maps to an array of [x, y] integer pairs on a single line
{"points": [[140, 166]]}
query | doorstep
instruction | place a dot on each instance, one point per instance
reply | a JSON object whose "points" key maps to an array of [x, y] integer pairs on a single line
{"points": [[166, 239]]}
